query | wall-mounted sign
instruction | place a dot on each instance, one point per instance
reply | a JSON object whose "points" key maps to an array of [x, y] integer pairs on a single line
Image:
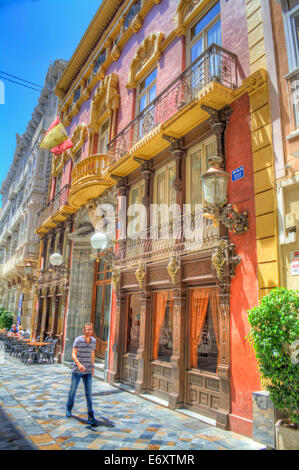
{"points": [[295, 263], [238, 173]]}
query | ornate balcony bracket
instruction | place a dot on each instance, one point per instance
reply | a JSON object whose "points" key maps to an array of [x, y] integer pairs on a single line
{"points": [[218, 122], [146, 165], [176, 144]]}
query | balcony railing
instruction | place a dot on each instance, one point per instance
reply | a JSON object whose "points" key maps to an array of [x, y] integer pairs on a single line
{"points": [[92, 166], [293, 88], [214, 65], [187, 234], [59, 200]]}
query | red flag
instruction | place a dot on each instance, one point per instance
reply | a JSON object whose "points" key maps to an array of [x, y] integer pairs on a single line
{"points": [[56, 138]]}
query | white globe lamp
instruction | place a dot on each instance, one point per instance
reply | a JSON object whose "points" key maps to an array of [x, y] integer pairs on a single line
{"points": [[99, 241], [56, 259]]}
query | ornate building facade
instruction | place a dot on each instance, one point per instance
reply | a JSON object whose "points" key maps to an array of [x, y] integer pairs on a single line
{"points": [[155, 92], [24, 191]]}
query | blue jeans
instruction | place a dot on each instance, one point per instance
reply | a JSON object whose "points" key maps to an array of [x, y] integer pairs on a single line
{"points": [[87, 379]]}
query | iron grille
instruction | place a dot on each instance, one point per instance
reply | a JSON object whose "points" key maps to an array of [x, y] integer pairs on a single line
{"points": [[214, 65]]}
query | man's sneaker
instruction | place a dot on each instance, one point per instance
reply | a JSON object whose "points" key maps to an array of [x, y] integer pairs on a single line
{"points": [[68, 414], [92, 421]]}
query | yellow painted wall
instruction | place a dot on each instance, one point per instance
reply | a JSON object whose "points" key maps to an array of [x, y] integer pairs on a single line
{"points": [[263, 163]]}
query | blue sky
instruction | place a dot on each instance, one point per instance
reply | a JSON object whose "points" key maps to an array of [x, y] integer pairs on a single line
{"points": [[34, 33]]}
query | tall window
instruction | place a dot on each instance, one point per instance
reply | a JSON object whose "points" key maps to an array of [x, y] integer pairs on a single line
{"points": [[133, 323], [102, 306], [197, 164], [204, 329], [164, 191], [103, 138], [41, 165], [163, 326], [58, 183], [146, 94], [203, 33], [136, 220], [290, 10]]}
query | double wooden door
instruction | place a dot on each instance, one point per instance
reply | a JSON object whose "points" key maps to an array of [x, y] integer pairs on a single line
{"points": [[101, 307]]}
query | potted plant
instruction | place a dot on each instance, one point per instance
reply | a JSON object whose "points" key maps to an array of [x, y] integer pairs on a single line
{"points": [[274, 336]]}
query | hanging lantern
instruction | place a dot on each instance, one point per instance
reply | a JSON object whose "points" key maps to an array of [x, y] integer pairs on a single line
{"points": [[56, 259], [99, 241], [214, 183]]}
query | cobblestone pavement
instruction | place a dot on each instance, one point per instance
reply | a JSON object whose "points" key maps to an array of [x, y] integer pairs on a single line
{"points": [[32, 415]]}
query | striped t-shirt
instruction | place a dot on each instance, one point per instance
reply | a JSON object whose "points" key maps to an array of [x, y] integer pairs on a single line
{"points": [[84, 353]]}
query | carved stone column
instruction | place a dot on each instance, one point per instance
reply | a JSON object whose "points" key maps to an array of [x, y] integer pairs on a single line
{"points": [[56, 314], [122, 193], [222, 415], [176, 397], [117, 333]]}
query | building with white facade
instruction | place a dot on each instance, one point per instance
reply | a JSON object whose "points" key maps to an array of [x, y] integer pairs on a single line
{"points": [[24, 191]]}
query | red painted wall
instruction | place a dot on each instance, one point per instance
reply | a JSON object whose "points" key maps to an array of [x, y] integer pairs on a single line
{"points": [[244, 286]]}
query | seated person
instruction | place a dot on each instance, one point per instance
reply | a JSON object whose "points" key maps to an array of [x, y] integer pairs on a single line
{"points": [[14, 329]]}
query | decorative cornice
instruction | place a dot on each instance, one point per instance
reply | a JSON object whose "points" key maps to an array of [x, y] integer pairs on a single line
{"points": [[146, 55], [187, 10], [104, 102], [111, 39]]}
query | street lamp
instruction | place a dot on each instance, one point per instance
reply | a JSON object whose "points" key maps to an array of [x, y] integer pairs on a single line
{"points": [[56, 259], [214, 182], [99, 241]]}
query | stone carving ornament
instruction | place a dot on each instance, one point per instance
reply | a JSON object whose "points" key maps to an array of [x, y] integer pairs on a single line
{"points": [[172, 268], [148, 53], [140, 273]]}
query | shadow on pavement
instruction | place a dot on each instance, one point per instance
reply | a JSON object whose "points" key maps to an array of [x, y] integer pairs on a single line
{"points": [[109, 392], [105, 422], [10, 437]]}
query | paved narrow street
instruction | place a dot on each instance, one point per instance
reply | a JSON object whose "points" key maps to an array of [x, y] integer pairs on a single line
{"points": [[32, 416]]}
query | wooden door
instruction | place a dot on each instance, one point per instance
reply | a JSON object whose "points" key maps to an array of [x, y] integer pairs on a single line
{"points": [[101, 307], [202, 379], [129, 364]]}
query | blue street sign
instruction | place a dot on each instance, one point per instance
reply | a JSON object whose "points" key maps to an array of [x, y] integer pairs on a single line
{"points": [[238, 173]]}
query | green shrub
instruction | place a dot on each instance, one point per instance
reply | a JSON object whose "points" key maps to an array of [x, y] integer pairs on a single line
{"points": [[274, 327], [6, 319]]}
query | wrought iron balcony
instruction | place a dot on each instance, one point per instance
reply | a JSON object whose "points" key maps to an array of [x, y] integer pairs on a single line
{"points": [[215, 66], [164, 240], [50, 213], [88, 180]]}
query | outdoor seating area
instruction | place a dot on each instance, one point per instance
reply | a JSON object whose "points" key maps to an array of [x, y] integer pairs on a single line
{"points": [[29, 351]]}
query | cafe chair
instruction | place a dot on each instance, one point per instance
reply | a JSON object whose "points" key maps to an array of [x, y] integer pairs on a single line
{"points": [[48, 354]]}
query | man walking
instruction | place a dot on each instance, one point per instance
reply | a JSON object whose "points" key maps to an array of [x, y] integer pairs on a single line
{"points": [[83, 355]]}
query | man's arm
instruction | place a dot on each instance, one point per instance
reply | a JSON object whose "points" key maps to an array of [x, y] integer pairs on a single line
{"points": [[76, 361], [93, 355]]}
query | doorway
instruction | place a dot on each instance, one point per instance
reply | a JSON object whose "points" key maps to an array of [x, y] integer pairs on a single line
{"points": [[101, 306]]}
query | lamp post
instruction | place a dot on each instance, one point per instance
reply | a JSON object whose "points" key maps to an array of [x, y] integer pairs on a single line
{"points": [[214, 182]]}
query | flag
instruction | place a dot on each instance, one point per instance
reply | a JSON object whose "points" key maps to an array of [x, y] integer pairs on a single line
{"points": [[20, 310], [56, 138]]}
